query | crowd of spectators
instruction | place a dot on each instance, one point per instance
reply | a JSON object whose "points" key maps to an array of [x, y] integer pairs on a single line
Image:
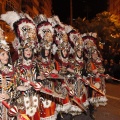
{"points": [[111, 62]]}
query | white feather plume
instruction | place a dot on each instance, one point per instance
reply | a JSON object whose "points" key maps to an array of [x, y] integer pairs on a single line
{"points": [[40, 18], [68, 28], [58, 21], [26, 15], [10, 17], [52, 21]]}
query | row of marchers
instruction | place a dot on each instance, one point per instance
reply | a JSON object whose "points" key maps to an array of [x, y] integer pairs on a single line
{"points": [[58, 70]]}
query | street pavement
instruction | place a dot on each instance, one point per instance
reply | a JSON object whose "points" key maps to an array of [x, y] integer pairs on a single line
{"points": [[109, 112], [112, 110]]}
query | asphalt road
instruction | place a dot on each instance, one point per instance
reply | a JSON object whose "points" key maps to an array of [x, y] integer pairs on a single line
{"points": [[109, 112], [112, 110]]}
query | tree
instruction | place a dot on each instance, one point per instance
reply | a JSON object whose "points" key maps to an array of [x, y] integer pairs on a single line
{"points": [[81, 24], [107, 26]]}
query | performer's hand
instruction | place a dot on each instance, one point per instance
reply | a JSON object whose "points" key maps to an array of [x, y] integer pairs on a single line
{"points": [[95, 71], [55, 71], [79, 78], [41, 77], [107, 76], [87, 82], [70, 70], [71, 93], [38, 86], [27, 84], [97, 75]]}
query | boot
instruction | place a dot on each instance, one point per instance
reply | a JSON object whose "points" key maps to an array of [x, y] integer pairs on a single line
{"points": [[91, 109]]}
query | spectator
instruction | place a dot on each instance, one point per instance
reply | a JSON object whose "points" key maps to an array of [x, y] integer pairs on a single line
{"points": [[106, 66], [111, 54], [117, 70], [117, 56], [111, 67]]}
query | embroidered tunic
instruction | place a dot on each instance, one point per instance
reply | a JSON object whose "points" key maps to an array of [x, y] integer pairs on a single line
{"points": [[97, 81], [28, 102], [6, 85], [48, 105]]}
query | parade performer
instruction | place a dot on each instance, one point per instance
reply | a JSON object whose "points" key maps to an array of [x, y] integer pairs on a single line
{"points": [[61, 61], [23, 26], [96, 90], [46, 67], [64, 68], [95, 68], [25, 66], [78, 64], [7, 83]]}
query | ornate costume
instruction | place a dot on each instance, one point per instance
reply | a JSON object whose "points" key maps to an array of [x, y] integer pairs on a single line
{"points": [[59, 80], [46, 67], [6, 76], [95, 69], [96, 89], [61, 63], [78, 64], [25, 66]]}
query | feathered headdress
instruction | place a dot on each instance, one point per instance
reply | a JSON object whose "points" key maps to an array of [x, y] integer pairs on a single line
{"points": [[89, 40], [44, 31], [54, 20], [74, 38], [23, 26], [60, 37]]}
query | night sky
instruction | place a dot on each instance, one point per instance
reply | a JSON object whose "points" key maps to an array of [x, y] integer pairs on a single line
{"points": [[81, 8]]}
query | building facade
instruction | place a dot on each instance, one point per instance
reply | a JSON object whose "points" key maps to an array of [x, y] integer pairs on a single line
{"points": [[114, 7]]}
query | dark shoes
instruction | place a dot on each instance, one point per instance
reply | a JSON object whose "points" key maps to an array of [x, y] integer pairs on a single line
{"points": [[92, 117]]}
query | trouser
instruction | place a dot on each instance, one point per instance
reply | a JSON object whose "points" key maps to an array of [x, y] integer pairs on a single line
{"points": [[91, 106], [64, 116]]}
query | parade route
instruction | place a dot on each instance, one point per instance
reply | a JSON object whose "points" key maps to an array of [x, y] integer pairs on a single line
{"points": [[109, 112], [112, 110]]}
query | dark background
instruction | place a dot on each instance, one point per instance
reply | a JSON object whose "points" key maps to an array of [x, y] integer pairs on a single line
{"points": [[81, 8]]}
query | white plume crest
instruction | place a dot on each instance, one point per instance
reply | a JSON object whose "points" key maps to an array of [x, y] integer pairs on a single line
{"points": [[27, 16], [40, 18], [68, 28], [52, 21], [10, 17], [58, 21]]}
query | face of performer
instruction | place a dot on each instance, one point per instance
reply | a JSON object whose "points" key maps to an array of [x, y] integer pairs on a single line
{"points": [[64, 52], [32, 34], [46, 52], [28, 52], [48, 35], [79, 53], [4, 57], [94, 55]]}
